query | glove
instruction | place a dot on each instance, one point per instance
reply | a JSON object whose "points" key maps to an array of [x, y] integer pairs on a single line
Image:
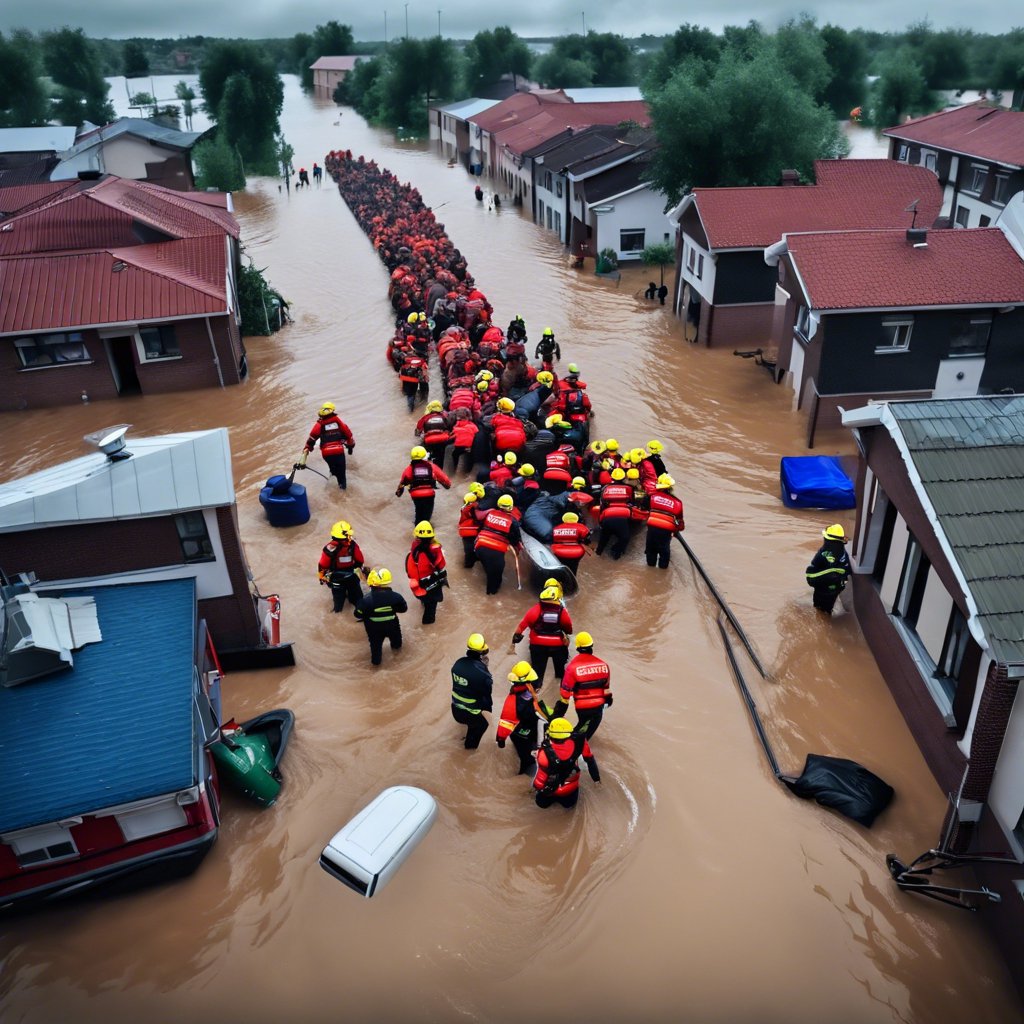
{"points": [[322, 578], [516, 637], [608, 701], [303, 457], [351, 447], [398, 493], [501, 742]]}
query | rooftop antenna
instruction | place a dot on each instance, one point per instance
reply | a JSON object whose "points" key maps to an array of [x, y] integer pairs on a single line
{"points": [[912, 208]]}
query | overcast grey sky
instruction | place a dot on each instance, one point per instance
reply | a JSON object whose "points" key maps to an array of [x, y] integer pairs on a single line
{"points": [[463, 18]]}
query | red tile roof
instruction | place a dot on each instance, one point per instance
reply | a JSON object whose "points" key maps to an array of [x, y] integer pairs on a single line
{"points": [[513, 111], [989, 133], [849, 195], [882, 270], [553, 118], [15, 198], [165, 279]]}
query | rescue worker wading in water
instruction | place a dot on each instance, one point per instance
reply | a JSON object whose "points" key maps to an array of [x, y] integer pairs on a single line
{"points": [[586, 683], [498, 531], [334, 437], [519, 715], [829, 569], [617, 501], [424, 565], [379, 611], [435, 428], [558, 776], [550, 625], [547, 350], [567, 540], [468, 528], [340, 563], [422, 478], [664, 521], [471, 690]]}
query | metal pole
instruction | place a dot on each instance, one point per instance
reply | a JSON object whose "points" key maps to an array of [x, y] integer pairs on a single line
{"points": [[583, 14], [385, 28], [439, 23], [406, 21]]}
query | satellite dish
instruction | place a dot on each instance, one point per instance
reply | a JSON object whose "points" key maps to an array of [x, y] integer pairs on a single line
{"points": [[110, 441]]}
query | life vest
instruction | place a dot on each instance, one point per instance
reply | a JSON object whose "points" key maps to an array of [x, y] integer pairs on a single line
{"points": [[566, 540], [666, 512], [515, 350], [332, 436], [463, 433], [574, 404], [616, 501], [425, 573], [422, 484], [586, 680], [553, 760], [581, 500], [412, 370], [500, 474], [463, 398], [557, 466], [508, 719], [494, 530], [468, 526], [341, 556], [435, 429], [546, 629], [509, 432]]}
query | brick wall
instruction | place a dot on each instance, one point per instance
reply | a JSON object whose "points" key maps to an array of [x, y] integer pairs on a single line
{"points": [[989, 730], [57, 385], [196, 368], [742, 326]]}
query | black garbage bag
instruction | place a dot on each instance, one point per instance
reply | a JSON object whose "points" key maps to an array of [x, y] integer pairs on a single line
{"points": [[540, 518], [843, 785]]}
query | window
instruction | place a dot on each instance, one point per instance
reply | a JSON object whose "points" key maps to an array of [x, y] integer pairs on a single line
{"points": [[903, 153], [976, 179], [947, 672], [194, 538], [548, 215], [558, 188], [558, 224], [969, 336], [700, 266], [983, 221], [962, 217], [540, 214], [547, 181], [803, 322], [1001, 192], [929, 162], [631, 240], [159, 343], [895, 336], [52, 349], [912, 583]]}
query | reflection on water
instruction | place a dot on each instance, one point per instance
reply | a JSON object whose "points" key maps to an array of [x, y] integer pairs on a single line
{"points": [[689, 885]]}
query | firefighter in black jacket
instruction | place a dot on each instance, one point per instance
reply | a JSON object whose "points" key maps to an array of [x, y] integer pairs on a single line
{"points": [[829, 569], [471, 690], [379, 611]]}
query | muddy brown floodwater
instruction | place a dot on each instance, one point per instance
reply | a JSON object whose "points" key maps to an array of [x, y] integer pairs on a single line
{"points": [[689, 885]]}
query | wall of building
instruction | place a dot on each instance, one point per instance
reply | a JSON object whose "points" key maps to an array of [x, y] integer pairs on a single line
{"points": [[643, 210], [742, 327], [743, 276]]}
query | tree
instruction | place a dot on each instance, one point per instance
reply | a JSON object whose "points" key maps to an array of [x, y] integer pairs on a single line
{"points": [[23, 101], [690, 42], [492, 54], [847, 58], [218, 165], [557, 72], [743, 127], [284, 161], [611, 58], [440, 69], [944, 60], [659, 255], [72, 62], [1007, 70], [598, 58], [744, 40], [143, 100], [901, 89], [801, 51], [330, 40], [187, 95], [135, 62]]}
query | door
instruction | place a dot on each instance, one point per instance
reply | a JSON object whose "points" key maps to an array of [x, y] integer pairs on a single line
{"points": [[959, 378], [121, 356]]}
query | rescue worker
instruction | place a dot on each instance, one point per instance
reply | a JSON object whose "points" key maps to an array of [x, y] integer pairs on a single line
{"points": [[586, 683], [464, 431], [558, 466], [425, 567], [550, 625], [471, 690], [334, 437], [340, 562], [567, 540], [558, 775], [615, 514], [547, 350], [829, 569], [378, 611], [413, 375], [516, 329], [655, 448], [435, 429], [498, 530], [571, 381], [422, 478], [519, 715], [579, 496], [468, 529], [526, 487], [664, 521]]}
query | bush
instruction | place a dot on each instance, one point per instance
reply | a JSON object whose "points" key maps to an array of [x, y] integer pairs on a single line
{"points": [[258, 302], [218, 166]]}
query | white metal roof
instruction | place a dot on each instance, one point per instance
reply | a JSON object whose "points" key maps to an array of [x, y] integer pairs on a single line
{"points": [[166, 474], [605, 94], [53, 138], [465, 109]]}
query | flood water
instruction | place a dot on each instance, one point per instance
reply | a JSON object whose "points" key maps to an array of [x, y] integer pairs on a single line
{"points": [[689, 886]]}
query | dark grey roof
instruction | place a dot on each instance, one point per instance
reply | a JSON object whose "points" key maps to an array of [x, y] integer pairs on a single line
{"points": [[140, 127], [583, 144], [615, 181], [969, 454]]}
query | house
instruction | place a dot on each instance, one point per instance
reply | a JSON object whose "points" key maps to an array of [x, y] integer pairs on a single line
{"points": [[165, 512], [938, 587], [869, 315], [977, 154], [449, 125], [23, 147], [329, 72], [108, 698], [132, 147], [724, 292], [113, 287]]}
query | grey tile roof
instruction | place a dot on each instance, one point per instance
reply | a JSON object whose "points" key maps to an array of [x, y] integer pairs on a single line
{"points": [[969, 454]]}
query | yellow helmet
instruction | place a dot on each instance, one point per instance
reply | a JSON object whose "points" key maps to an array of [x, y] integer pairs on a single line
{"points": [[434, 406], [509, 459], [506, 404], [326, 409], [476, 642], [481, 385], [637, 455], [505, 502], [665, 482], [560, 728], [341, 530], [553, 420], [522, 672], [611, 445], [573, 370], [550, 594], [379, 578], [570, 517], [423, 318], [548, 333], [485, 375], [424, 530], [412, 318], [477, 488], [618, 474], [655, 447], [834, 532], [526, 469], [468, 499], [578, 483], [584, 639], [632, 474], [545, 378], [555, 585], [598, 447], [419, 452]]}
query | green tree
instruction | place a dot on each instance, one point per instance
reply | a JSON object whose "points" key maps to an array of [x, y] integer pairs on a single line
{"points": [[135, 62], [72, 62], [745, 41], [23, 101], [218, 165], [557, 72], [690, 42], [659, 255], [142, 100], [285, 153], [330, 40], [743, 127], [491, 54], [901, 89], [440, 67], [1007, 70], [801, 51], [944, 60], [847, 57], [187, 95], [612, 59], [575, 61]]}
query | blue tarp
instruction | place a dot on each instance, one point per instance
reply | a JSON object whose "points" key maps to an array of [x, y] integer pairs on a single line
{"points": [[815, 481]]}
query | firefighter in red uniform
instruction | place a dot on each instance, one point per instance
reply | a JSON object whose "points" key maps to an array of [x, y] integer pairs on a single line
{"points": [[549, 624], [558, 776], [340, 563], [664, 521], [586, 683], [425, 567], [616, 510], [468, 528], [571, 381], [334, 437], [582, 501], [498, 530], [435, 429], [519, 717], [422, 478], [567, 540], [558, 469], [413, 375]]}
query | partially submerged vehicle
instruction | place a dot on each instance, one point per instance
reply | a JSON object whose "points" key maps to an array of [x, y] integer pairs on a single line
{"points": [[249, 755]]}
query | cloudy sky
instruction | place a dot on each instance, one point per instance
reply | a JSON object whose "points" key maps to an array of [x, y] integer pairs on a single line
{"points": [[462, 18]]}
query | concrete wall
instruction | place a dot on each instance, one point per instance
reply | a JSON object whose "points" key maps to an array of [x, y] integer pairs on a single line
{"points": [[641, 210]]}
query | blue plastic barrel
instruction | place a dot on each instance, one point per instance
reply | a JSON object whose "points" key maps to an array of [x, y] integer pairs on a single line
{"points": [[284, 502]]}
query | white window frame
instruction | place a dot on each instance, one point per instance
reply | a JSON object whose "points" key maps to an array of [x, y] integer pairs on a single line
{"points": [[966, 211], [979, 173], [33, 341], [631, 231], [904, 153], [904, 328], [43, 839], [930, 161], [140, 345], [1000, 190]]}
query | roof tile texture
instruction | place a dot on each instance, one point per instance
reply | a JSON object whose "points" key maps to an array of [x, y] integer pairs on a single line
{"points": [[990, 133]]}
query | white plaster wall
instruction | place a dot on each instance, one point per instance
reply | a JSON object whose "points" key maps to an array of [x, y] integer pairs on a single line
{"points": [[644, 209], [705, 286], [934, 615], [1006, 797], [894, 567]]}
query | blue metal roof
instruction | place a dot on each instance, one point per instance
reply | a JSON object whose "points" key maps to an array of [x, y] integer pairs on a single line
{"points": [[116, 727]]}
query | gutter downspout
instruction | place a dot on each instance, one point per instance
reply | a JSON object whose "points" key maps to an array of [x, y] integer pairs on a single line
{"points": [[213, 348]]}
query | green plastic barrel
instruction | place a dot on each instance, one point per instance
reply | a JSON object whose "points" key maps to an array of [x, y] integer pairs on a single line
{"points": [[248, 767]]}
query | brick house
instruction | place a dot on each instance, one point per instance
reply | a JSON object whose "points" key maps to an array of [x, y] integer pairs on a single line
{"points": [[328, 72], [724, 292], [977, 154], [938, 587], [113, 287]]}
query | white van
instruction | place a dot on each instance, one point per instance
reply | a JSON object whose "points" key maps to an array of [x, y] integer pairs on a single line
{"points": [[371, 847]]}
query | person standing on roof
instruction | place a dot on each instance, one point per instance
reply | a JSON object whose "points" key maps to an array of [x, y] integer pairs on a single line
{"points": [[586, 682], [471, 690], [829, 569], [547, 350], [519, 715], [550, 625], [378, 611], [422, 478], [499, 530], [558, 775], [425, 567], [664, 521], [334, 438], [340, 563]]}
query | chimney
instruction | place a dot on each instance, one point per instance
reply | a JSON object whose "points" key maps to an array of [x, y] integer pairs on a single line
{"points": [[90, 175], [918, 237], [790, 177]]}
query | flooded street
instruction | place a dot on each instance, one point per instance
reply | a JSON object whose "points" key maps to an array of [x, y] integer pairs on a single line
{"points": [[689, 886]]}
